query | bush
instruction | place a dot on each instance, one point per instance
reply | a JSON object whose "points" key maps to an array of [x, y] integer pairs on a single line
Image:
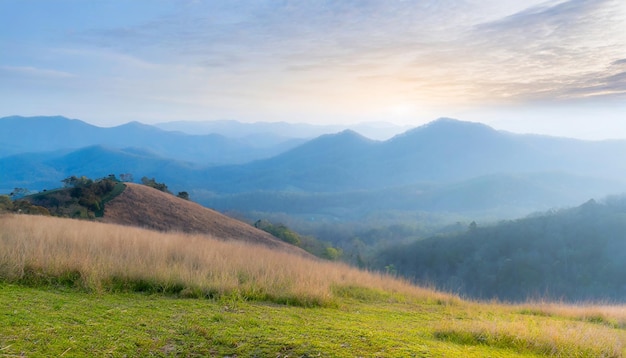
{"points": [[307, 243], [5, 203], [82, 198], [279, 231]]}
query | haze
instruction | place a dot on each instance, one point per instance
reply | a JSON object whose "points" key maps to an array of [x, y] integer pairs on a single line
{"points": [[551, 67]]}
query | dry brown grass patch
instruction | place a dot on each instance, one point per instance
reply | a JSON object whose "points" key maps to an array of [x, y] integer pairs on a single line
{"points": [[101, 257]]}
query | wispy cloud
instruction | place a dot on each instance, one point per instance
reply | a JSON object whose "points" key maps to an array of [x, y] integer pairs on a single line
{"points": [[426, 47], [550, 50], [33, 72]]}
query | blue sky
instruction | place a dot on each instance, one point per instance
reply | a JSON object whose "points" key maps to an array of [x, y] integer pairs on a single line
{"points": [[553, 67]]}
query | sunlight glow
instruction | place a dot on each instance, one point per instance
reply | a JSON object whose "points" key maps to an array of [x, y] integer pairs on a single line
{"points": [[402, 110]]}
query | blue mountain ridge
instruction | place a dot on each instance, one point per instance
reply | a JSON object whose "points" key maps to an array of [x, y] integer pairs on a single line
{"points": [[458, 162]]}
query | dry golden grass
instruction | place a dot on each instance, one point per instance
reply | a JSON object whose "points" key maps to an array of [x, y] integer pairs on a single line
{"points": [[611, 315], [542, 327], [541, 336], [103, 257]]}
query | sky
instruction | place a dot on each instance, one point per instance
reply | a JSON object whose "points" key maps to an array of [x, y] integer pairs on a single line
{"points": [[550, 67]]}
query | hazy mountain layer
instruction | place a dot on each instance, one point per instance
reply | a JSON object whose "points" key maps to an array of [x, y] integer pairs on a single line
{"points": [[40, 134], [46, 170], [443, 151], [277, 130], [447, 165]]}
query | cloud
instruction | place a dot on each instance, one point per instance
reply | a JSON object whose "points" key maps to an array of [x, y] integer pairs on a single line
{"points": [[363, 55], [33, 72], [552, 50], [268, 56]]}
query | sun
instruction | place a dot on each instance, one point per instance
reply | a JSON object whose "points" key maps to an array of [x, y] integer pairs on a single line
{"points": [[402, 109]]}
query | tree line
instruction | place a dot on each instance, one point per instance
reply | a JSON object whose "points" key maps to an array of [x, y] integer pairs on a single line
{"points": [[307, 243]]}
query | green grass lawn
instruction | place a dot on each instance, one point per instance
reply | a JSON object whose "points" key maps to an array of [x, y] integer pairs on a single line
{"points": [[66, 322]]}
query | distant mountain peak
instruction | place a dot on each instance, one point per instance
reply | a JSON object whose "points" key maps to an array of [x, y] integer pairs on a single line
{"points": [[445, 122], [447, 127], [137, 124], [345, 136], [348, 133]]}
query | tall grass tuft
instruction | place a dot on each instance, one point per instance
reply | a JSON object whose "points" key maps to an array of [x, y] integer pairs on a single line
{"points": [[104, 257]]}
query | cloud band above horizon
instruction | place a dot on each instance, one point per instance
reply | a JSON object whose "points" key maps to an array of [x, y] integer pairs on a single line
{"points": [[316, 61]]}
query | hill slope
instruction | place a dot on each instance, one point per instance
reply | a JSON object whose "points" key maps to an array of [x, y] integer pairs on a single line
{"points": [[146, 207]]}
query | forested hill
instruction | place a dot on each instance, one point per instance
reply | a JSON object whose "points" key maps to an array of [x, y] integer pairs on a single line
{"points": [[573, 255]]}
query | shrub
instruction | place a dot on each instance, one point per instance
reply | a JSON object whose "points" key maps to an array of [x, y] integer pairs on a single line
{"points": [[5, 203]]}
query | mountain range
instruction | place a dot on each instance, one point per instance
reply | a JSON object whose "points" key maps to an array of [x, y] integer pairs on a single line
{"points": [[443, 152], [444, 165], [261, 131], [40, 134]]}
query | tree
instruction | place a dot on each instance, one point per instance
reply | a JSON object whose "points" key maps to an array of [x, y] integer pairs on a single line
{"points": [[154, 184], [183, 195], [76, 182]]}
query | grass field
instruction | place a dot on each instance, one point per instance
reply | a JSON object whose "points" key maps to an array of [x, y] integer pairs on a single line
{"points": [[72, 288]]}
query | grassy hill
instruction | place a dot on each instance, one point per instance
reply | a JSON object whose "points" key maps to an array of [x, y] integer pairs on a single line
{"points": [[76, 288], [143, 206], [111, 201]]}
